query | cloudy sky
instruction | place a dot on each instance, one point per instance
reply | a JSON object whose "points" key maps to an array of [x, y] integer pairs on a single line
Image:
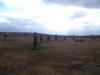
{"points": [[69, 17]]}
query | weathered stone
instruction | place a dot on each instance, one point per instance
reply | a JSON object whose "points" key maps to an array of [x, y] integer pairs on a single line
{"points": [[73, 37], [93, 38], [64, 39], [5, 36], [41, 38], [56, 37], [35, 39], [79, 40], [76, 65], [98, 66], [48, 38]]}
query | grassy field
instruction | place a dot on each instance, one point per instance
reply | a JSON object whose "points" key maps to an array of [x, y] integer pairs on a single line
{"points": [[52, 58]]}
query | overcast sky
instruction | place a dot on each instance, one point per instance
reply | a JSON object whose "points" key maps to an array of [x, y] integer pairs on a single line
{"points": [[68, 17]]}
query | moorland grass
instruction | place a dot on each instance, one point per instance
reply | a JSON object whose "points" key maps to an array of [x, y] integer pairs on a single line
{"points": [[52, 58]]}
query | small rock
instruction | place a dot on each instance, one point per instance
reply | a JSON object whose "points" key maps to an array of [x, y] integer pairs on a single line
{"points": [[76, 65], [98, 66]]}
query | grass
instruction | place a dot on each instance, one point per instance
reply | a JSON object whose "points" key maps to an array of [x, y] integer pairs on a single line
{"points": [[52, 58]]}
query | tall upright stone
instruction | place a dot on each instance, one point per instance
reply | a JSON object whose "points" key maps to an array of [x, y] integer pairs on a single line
{"points": [[73, 37], [41, 38], [48, 38], [56, 37], [93, 38], [35, 40], [64, 39]]}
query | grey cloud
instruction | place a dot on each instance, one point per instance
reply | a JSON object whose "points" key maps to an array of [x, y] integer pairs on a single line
{"points": [[83, 3], [85, 30], [78, 15], [20, 25], [21, 22], [5, 28], [20, 29], [87, 23]]}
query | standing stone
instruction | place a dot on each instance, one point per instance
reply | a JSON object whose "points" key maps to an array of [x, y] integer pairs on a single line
{"points": [[5, 36], [56, 37], [48, 38], [64, 39], [93, 38], [73, 37], [41, 38], [35, 40]]}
